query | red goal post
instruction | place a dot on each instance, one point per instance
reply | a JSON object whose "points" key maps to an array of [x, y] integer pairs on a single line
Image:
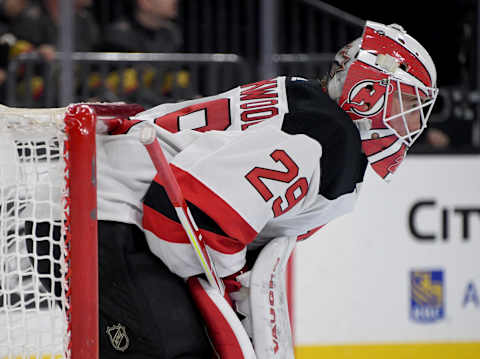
{"points": [[48, 229], [81, 125]]}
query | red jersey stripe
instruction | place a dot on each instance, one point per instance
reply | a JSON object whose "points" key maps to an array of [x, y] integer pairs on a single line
{"points": [[231, 222], [171, 231]]}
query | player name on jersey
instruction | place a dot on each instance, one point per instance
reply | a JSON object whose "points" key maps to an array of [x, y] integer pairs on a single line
{"points": [[236, 109], [258, 102]]}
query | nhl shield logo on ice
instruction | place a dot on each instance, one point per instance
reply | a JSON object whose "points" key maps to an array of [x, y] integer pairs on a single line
{"points": [[118, 337]]}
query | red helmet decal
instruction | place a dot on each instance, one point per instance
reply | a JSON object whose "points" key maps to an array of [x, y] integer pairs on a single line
{"points": [[367, 98], [341, 59], [373, 40], [389, 164], [376, 145]]}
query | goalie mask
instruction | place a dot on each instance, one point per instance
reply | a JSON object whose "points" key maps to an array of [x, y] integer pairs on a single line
{"points": [[386, 82]]}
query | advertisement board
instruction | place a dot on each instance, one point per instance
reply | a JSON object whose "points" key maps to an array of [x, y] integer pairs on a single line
{"points": [[402, 269]]}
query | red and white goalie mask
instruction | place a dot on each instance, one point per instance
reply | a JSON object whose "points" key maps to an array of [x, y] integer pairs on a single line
{"points": [[386, 82]]}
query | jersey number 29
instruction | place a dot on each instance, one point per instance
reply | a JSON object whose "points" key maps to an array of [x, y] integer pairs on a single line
{"points": [[295, 192]]}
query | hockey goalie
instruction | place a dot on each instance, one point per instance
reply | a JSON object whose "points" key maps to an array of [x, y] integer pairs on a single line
{"points": [[254, 170], [258, 167]]}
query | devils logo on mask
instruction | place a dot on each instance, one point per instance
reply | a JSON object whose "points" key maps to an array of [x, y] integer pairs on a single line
{"points": [[367, 98]]}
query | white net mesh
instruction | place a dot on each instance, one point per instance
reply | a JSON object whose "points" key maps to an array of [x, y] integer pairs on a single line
{"points": [[33, 266]]}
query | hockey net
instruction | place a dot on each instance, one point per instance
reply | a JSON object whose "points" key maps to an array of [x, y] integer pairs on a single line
{"points": [[48, 244]]}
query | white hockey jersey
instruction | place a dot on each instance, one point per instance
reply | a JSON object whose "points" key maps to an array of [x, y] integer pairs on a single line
{"points": [[263, 160]]}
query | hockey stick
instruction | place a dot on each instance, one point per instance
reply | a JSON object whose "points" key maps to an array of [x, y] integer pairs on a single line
{"points": [[175, 195]]}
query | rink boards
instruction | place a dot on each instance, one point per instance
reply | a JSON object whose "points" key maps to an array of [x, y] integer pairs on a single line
{"points": [[400, 277]]}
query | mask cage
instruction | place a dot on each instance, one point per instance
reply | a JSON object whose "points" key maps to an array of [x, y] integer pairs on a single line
{"points": [[424, 98]]}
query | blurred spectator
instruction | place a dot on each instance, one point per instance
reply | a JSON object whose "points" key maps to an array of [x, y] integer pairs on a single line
{"points": [[454, 115], [38, 24], [35, 26], [9, 12], [10, 9], [150, 29], [437, 138], [452, 122]]}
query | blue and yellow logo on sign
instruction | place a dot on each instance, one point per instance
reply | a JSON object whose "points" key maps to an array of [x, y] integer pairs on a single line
{"points": [[427, 296]]}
